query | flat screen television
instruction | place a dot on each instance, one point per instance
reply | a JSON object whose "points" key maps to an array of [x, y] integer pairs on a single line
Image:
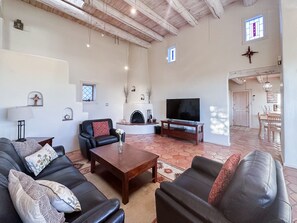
{"points": [[183, 109]]}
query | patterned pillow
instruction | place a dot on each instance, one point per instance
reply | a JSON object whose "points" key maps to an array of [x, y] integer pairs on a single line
{"points": [[100, 128], [25, 149], [39, 160], [60, 196], [223, 179], [30, 200]]}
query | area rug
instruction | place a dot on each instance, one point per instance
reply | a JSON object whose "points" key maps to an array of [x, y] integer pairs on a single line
{"points": [[141, 206]]}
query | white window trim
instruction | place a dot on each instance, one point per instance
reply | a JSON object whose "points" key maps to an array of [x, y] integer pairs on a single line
{"points": [[243, 29]]}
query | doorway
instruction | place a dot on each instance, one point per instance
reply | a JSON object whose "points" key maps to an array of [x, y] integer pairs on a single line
{"points": [[240, 109]]}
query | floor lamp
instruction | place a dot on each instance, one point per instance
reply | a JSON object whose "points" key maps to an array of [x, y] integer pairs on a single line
{"points": [[20, 114]]}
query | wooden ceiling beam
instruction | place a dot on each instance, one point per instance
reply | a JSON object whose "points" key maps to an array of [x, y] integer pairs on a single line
{"points": [[87, 18], [179, 8], [103, 7], [144, 9], [249, 2], [216, 8]]}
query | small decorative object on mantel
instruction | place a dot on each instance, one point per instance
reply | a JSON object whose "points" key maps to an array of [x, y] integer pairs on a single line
{"points": [[126, 92], [133, 89], [68, 114], [35, 98], [18, 24], [249, 53]]}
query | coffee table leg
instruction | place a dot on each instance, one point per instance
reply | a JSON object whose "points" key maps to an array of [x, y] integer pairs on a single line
{"points": [[154, 172], [125, 190], [92, 164]]}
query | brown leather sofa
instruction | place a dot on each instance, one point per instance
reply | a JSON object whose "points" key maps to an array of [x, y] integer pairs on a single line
{"points": [[87, 140], [95, 206], [256, 194]]}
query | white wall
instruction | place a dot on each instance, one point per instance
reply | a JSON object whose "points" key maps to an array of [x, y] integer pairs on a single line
{"points": [[259, 100], [21, 74], [205, 56], [52, 36], [289, 45]]}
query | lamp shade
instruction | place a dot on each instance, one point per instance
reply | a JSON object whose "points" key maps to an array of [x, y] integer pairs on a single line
{"points": [[19, 113]]}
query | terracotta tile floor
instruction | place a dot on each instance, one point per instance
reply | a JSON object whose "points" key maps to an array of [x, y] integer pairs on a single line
{"points": [[243, 140]]}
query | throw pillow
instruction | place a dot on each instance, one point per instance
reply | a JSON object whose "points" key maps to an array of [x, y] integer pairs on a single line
{"points": [[223, 179], [60, 196], [39, 160], [25, 149], [30, 200], [100, 128]]}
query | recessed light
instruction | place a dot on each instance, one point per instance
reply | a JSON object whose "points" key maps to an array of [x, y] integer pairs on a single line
{"points": [[102, 34], [126, 68], [133, 11], [88, 45]]}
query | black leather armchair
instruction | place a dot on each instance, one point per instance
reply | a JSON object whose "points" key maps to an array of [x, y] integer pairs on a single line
{"points": [[257, 193], [87, 140]]}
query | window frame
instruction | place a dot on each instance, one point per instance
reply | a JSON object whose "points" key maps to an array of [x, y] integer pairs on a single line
{"points": [[171, 49], [244, 33], [93, 85]]}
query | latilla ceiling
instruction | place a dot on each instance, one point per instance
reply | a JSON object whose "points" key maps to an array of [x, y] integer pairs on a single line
{"points": [[153, 19]]}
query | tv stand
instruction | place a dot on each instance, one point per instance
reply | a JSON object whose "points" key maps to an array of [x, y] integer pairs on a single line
{"points": [[195, 132]]}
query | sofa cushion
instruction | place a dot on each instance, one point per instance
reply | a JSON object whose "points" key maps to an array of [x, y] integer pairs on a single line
{"points": [[223, 179], [69, 176], [30, 200], [40, 159], [104, 140], [7, 163], [195, 182], [252, 190], [7, 147], [100, 128], [25, 149], [60, 196]]}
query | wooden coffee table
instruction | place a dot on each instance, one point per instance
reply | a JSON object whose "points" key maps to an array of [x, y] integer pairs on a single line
{"points": [[126, 165]]}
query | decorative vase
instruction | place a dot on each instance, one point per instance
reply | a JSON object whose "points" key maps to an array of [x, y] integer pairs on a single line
{"points": [[120, 146]]}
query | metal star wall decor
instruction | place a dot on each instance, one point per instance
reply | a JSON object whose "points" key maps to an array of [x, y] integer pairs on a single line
{"points": [[249, 53]]}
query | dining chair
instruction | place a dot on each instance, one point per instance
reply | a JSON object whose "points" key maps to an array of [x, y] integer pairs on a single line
{"points": [[274, 125], [262, 124]]}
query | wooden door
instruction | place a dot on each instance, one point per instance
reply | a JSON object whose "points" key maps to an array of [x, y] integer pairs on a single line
{"points": [[241, 108]]}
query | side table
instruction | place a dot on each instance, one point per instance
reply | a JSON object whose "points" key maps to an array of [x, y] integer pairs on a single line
{"points": [[43, 140]]}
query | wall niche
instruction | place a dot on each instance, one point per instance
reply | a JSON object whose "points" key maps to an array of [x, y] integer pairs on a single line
{"points": [[67, 114], [35, 98]]}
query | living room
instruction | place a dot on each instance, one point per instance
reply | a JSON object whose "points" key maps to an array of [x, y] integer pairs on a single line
{"points": [[50, 56]]}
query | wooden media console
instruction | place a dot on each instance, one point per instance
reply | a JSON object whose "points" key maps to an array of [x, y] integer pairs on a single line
{"points": [[180, 130]]}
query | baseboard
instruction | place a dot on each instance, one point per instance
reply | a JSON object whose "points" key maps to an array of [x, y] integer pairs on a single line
{"points": [[291, 166]]}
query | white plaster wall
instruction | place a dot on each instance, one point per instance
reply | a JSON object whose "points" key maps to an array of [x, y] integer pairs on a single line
{"points": [[52, 36], [205, 55], [289, 45], [138, 74], [22, 73], [257, 102]]}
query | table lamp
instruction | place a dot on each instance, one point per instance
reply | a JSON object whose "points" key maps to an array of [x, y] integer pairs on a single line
{"points": [[20, 114]]}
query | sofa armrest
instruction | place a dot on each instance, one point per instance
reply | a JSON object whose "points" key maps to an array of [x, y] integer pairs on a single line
{"points": [[59, 150], [205, 165], [193, 204], [102, 213]]}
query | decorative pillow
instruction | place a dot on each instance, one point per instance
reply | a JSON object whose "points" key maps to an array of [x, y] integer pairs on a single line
{"points": [[100, 128], [223, 179], [25, 149], [60, 196], [39, 160], [30, 200]]}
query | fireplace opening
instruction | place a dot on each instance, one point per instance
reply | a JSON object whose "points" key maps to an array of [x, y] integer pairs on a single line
{"points": [[137, 117]]}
